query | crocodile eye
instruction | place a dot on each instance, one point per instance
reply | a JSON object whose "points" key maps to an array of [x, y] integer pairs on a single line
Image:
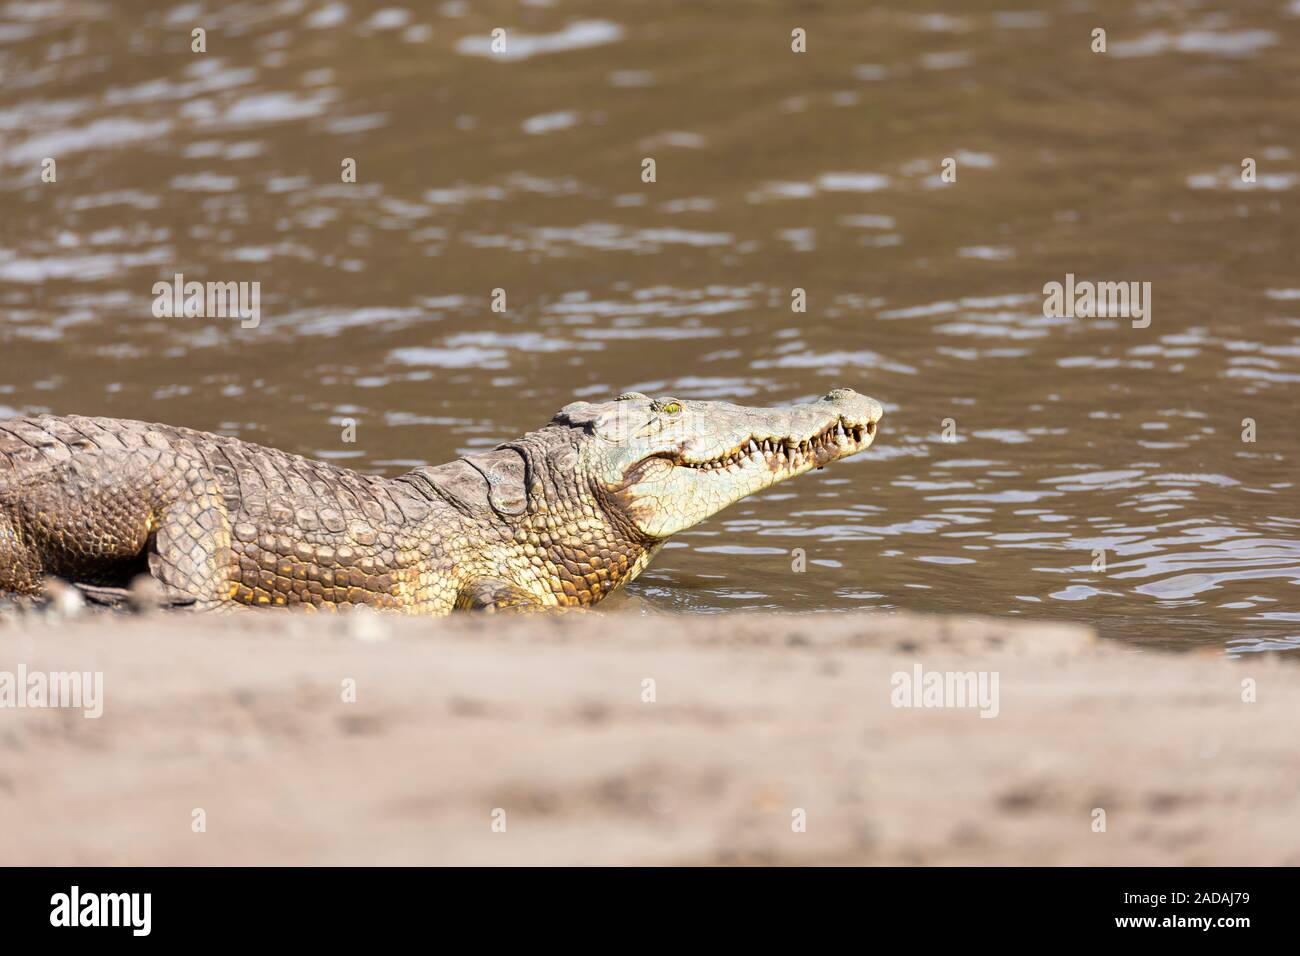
{"points": [[670, 408]]}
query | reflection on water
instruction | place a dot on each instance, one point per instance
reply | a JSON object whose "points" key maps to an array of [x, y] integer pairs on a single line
{"points": [[1049, 467]]}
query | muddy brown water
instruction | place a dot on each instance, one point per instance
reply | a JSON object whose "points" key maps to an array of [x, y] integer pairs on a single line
{"points": [[1016, 447]]}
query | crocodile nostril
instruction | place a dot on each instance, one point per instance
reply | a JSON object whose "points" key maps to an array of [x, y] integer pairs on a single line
{"points": [[839, 394]]}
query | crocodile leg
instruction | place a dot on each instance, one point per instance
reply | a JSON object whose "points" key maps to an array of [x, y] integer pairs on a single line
{"points": [[123, 511], [189, 551], [493, 594], [20, 569]]}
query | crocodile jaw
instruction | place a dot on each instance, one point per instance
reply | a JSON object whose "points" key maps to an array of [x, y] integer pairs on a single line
{"points": [[728, 452]]}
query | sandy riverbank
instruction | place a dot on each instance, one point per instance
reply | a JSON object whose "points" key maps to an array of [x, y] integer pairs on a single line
{"points": [[754, 718]]}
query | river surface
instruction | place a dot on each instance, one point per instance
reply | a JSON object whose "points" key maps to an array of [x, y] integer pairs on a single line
{"points": [[1019, 451]]}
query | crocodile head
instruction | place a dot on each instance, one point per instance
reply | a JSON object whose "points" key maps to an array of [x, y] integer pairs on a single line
{"points": [[667, 464]]}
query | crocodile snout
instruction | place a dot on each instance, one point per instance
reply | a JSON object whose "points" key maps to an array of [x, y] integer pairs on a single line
{"points": [[855, 406]]}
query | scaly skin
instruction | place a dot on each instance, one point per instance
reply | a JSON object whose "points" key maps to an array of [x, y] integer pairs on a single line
{"points": [[558, 518]]}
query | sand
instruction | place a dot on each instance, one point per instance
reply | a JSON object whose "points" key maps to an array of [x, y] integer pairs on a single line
{"points": [[537, 740]]}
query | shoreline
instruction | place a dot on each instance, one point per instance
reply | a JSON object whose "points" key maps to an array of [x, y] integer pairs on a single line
{"points": [[758, 725]]}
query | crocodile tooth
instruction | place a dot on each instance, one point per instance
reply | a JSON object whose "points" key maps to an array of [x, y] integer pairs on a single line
{"points": [[753, 446]]}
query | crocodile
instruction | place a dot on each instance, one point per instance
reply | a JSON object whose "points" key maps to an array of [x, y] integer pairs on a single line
{"points": [[558, 518]]}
